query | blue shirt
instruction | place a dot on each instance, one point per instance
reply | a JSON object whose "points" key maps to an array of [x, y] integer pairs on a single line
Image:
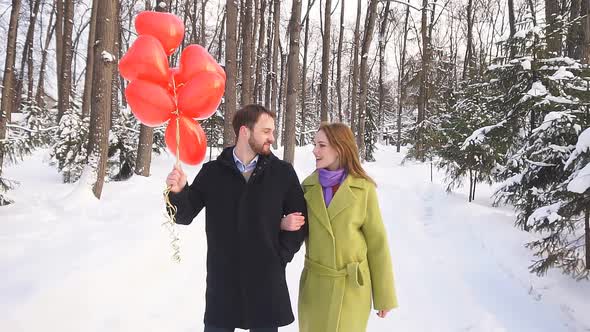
{"points": [[242, 167]]}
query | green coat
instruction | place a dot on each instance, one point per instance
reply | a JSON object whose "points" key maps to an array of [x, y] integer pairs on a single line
{"points": [[347, 259]]}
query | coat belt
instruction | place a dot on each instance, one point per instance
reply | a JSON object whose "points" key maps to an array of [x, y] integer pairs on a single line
{"points": [[351, 272]]}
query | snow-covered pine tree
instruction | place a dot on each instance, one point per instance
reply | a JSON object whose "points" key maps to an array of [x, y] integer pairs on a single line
{"points": [[213, 127], [123, 141], [39, 122], [563, 221], [70, 150], [537, 164], [23, 137]]}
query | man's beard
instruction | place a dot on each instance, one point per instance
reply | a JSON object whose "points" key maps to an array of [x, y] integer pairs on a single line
{"points": [[259, 148]]}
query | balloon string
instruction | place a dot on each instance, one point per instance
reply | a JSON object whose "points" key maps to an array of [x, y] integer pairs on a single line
{"points": [[171, 209], [177, 112]]}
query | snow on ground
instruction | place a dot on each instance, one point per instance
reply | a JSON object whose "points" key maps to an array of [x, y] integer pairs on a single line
{"points": [[71, 263]]}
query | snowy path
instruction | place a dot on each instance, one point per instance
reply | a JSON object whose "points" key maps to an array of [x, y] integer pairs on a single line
{"points": [[459, 266]]}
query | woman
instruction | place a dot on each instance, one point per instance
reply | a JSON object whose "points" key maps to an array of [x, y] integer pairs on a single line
{"points": [[347, 255]]}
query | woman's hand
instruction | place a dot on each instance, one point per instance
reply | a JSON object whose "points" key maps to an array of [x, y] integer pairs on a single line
{"points": [[292, 222], [382, 313]]}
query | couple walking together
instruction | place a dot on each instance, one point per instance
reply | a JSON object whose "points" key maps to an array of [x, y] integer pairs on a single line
{"points": [[258, 215]]}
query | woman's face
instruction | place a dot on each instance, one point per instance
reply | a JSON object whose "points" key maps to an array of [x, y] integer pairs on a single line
{"points": [[325, 154]]}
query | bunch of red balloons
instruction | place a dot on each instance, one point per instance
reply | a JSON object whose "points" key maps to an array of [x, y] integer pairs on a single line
{"points": [[157, 93]]}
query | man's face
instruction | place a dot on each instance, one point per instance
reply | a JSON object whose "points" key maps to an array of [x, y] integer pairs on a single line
{"points": [[261, 136]]}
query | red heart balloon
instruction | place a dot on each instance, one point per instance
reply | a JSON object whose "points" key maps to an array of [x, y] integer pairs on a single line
{"points": [[200, 97], [167, 28], [151, 104], [145, 60], [195, 59], [193, 141], [174, 83]]}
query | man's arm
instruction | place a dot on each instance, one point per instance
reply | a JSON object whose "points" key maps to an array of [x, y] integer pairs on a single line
{"points": [[290, 241], [191, 200]]}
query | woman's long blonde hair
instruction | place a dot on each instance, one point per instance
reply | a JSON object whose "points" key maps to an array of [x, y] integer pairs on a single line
{"points": [[341, 138]]}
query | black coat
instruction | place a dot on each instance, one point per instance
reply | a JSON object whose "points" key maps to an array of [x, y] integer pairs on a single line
{"points": [[247, 251]]}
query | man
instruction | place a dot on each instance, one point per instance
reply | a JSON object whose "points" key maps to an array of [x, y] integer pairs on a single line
{"points": [[246, 192]]}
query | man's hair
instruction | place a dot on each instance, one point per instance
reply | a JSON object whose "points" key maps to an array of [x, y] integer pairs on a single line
{"points": [[248, 116]]}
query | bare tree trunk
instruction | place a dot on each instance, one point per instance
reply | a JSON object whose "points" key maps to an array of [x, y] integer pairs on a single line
{"points": [[89, 62], [8, 79], [382, 43], [512, 24], [59, 45], [65, 78], [115, 110], [587, 237], [325, 61], [304, 76], [401, 86], [339, 61], [269, 56], [469, 63], [146, 134], [246, 37], [203, 34], [423, 80], [260, 54], [292, 81], [27, 57], [275, 56], [364, 79], [585, 12], [552, 33], [42, 68], [253, 53], [106, 23], [231, 54], [470, 184], [355, 69], [573, 40]]}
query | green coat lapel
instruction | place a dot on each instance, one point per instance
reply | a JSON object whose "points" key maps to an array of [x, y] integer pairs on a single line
{"points": [[314, 197], [343, 198]]}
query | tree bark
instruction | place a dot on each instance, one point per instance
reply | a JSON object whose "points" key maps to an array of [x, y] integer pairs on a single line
{"points": [[106, 23], [231, 69], [292, 82], [355, 69], [203, 34], [585, 11], [587, 237], [552, 34], [339, 61], [512, 23], [65, 78], [42, 68], [59, 30], [269, 56], [304, 76], [382, 43], [260, 54], [325, 61], [275, 57], [468, 64], [573, 40], [401, 86], [364, 79], [27, 57], [89, 62], [8, 79], [246, 36], [422, 97]]}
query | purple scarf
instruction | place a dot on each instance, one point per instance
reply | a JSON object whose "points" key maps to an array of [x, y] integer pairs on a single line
{"points": [[329, 179]]}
